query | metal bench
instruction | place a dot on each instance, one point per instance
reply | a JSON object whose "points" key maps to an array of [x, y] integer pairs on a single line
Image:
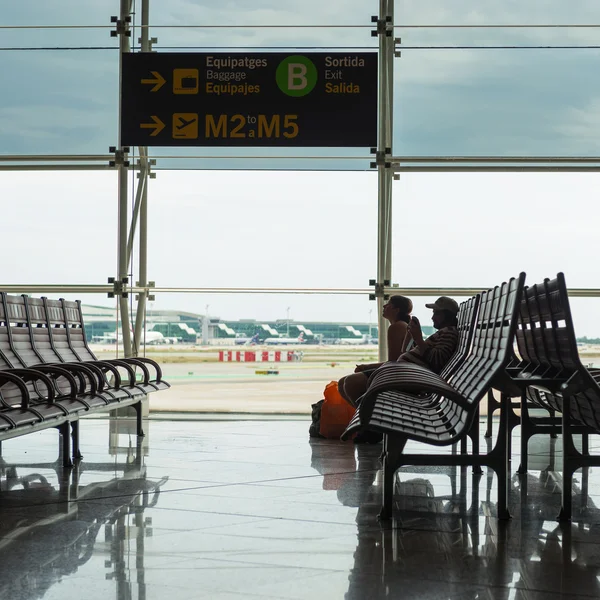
{"points": [[45, 383], [556, 380], [394, 403]]}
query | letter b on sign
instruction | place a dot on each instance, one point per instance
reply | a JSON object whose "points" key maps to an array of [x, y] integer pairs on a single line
{"points": [[296, 75]]}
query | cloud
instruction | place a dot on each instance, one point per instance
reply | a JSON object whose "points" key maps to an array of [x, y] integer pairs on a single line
{"points": [[446, 101], [583, 124]]}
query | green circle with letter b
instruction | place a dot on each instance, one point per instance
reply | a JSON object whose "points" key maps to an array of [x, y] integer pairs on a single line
{"points": [[296, 75]]}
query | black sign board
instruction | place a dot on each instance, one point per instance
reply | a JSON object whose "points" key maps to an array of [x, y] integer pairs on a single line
{"points": [[240, 99]]}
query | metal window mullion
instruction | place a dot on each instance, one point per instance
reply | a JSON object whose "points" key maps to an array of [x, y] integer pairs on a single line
{"points": [[140, 318], [122, 262]]}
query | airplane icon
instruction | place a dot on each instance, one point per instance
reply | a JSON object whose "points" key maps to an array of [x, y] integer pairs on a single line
{"points": [[185, 123], [185, 126]]}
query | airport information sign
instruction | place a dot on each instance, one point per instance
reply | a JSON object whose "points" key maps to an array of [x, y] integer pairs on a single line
{"points": [[241, 99]]}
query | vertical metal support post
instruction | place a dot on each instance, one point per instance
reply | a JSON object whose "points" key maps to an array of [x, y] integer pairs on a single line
{"points": [[122, 262], [140, 319], [389, 132], [385, 173]]}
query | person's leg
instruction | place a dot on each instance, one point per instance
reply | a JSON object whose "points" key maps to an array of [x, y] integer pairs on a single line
{"points": [[352, 387]]}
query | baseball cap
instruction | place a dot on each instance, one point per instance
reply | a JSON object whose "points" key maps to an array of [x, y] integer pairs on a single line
{"points": [[444, 303]]}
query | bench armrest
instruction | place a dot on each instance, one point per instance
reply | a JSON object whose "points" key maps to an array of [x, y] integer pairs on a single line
{"points": [[20, 376], [95, 373], [85, 376], [578, 382], [412, 379], [54, 372], [104, 366], [134, 362], [117, 362], [141, 361], [89, 376]]}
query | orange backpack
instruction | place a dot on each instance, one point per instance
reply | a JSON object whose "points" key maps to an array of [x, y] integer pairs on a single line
{"points": [[336, 413]]}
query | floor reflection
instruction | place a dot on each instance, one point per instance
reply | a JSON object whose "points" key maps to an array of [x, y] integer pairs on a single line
{"points": [[446, 543], [254, 510], [50, 523]]}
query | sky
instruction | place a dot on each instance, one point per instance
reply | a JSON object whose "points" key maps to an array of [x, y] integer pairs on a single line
{"points": [[306, 228]]}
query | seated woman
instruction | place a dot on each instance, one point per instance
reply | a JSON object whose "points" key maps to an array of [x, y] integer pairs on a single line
{"points": [[397, 311], [432, 353]]}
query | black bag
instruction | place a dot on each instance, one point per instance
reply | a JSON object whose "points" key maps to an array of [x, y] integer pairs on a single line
{"points": [[315, 426]]}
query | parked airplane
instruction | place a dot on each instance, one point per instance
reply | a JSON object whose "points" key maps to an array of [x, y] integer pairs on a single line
{"points": [[246, 341], [151, 337], [354, 341], [285, 341]]}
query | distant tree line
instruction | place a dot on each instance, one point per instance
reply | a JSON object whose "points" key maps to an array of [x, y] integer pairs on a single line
{"points": [[586, 340]]}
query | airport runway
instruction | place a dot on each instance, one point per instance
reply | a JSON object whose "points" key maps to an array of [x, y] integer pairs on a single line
{"points": [[200, 384], [234, 387]]}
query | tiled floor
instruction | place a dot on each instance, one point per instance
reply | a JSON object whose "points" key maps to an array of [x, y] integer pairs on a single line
{"points": [[253, 509]]}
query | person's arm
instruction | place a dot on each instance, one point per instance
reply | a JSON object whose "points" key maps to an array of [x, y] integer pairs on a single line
{"points": [[414, 328], [368, 367], [395, 338], [438, 354], [407, 340]]}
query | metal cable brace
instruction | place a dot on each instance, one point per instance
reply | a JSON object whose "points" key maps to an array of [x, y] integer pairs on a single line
{"points": [[150, 162], [384, 26], [148, 287], [379, 289], [151, 42], [397, 44], [120, 156], [120, 287], [121, 27], [381, 158]]}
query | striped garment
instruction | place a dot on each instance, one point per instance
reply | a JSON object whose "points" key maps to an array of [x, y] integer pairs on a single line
{"points": [[440, 347]]}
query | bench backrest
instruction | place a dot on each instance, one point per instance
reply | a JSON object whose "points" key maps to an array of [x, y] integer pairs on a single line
{"points": [[41, 334], [57, 328], [13, 319], [493, 338], [547, 342], [73, 316], [14, 338], [545, 335], [466, 326]]}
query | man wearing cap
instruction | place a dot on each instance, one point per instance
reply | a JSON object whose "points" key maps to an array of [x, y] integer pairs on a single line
{"points": [[434, 352]]}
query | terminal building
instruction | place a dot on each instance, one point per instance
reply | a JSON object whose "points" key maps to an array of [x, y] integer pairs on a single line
{"points": [[188, 328]]}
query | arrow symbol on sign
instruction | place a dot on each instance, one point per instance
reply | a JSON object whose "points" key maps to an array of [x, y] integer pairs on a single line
{"points": [[158, 126], [157, 82]]}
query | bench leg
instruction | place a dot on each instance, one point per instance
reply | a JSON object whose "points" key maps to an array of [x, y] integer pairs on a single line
{"points": [[552, 413], [526, 434], [585, 482], [65, 449], [474, 435], [492, 405], [139, 418], [499, 457], [75, 440], [504, 473], [139, 452], [392, 451], [568, 463]]}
